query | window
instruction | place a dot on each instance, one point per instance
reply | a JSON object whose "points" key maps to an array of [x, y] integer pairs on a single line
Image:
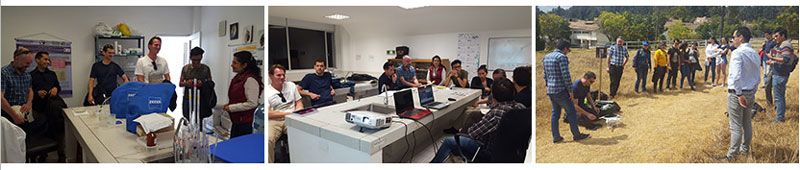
{"points": [[304, 47]]}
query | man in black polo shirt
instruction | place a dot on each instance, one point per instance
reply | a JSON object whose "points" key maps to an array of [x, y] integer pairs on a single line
{"points": [[673, 54], [388, 78], [46, 87]]}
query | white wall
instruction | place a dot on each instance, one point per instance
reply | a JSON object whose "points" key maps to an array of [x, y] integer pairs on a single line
{"points": [[76, 24], [372, 49], [218, 55]]}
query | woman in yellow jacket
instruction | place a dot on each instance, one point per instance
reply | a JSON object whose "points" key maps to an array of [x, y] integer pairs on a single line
{"points": [[660, 64]]}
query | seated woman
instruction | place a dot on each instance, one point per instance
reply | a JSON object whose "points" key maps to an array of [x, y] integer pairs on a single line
{"points": [[243, 93], [481, 82], [436, 71]]}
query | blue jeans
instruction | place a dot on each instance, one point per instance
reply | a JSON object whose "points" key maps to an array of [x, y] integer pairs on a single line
{"points": [[712, 66], [641, 76], [687, 71], [561, 100], [779, 94], [468, 145]]}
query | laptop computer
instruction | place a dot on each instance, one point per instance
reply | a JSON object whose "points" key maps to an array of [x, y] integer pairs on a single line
{"points": [[404, 104], [426, 99]]}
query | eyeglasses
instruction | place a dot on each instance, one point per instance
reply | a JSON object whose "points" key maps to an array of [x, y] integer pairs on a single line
{"points": [[282, 98], [155, 67]]}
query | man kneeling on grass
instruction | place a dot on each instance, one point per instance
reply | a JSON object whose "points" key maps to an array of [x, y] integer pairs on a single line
{"points": [[584, 102]]}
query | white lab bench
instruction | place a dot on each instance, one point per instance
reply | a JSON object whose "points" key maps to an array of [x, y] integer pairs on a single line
{"points": [[324, 136], [103, 144]]}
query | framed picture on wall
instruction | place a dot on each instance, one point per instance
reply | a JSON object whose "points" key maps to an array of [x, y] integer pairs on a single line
{"points": [[261, 40], [248, 34], [234, 31]]}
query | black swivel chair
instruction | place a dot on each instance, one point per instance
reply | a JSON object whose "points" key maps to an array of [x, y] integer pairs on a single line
{"points": [[37, 148], [508, 143]]}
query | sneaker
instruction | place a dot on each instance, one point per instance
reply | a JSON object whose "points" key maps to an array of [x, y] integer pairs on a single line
{"points": [[580, 137], [777, 121], [714, 84]]}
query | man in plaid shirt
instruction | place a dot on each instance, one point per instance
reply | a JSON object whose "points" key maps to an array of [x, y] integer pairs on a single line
{"points": [[617, 58], [503, 92], [556, 76], [16, 90]]}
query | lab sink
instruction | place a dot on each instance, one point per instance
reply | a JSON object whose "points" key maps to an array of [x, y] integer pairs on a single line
{"points": [[374, 107]]}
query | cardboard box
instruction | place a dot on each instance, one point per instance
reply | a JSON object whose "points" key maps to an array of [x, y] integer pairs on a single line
{"points": [[170, 128]]}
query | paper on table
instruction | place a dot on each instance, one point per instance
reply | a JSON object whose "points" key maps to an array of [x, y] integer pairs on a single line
{"points": [[153, 122], [391, 93]]}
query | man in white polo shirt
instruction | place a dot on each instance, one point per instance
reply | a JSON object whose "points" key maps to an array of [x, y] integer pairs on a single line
{"points": [[152, 69]]}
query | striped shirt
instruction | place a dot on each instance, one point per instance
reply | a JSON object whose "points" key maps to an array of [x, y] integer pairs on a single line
{"points": [[15, 86], [618, 55], [556, 72]]}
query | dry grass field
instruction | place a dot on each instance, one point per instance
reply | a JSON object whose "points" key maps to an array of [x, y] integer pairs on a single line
{"points": [[677, 126]]}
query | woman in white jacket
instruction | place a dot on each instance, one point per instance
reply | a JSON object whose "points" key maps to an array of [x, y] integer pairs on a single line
{"points": [[711, 58]]}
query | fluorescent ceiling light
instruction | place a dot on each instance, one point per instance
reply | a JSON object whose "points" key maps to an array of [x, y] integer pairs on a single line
{"points": [[407, 6], [337, 16]]}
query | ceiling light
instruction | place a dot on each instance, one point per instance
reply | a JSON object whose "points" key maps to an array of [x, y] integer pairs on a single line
{"points": [[337, 16], [408, 7]]}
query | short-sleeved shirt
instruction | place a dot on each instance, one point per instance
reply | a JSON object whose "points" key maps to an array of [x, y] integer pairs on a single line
{"points": [[106, 76], [462, 75], [15, 85], [188, 72], [320, 85], [409, 75], [289, 93], [674, 56], [579, 91], [144, 67], [384, 80], [618, 55]]}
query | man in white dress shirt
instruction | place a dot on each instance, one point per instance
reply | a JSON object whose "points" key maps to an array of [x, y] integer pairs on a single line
{"points": [[743, 79]]}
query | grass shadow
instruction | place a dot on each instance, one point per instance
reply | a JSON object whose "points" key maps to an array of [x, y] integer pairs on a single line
{"points": [[604, 141]]}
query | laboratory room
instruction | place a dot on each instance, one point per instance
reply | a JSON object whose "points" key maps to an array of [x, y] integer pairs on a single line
{"points": [[389, 84], [117, 84]]}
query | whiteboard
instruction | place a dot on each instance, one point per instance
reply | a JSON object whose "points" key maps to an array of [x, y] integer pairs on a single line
{"points": [[509, 53]]}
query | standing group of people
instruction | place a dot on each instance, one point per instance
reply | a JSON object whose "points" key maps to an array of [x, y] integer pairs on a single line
{"points": [[37, 92], [741, 78]]}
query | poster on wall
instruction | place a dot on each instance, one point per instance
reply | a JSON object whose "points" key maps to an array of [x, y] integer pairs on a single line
{"points": [[248, 34], [468, 51], [60, 60], [235, 31]]}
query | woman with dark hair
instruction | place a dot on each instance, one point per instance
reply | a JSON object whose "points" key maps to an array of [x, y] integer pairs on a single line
{"points": [[482, 82], [711, 58], [722, 62], [435, 71], [243, 93]]}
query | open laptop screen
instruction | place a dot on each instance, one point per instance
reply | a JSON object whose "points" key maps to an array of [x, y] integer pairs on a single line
{"points": [[425, 94], [403, 101]]}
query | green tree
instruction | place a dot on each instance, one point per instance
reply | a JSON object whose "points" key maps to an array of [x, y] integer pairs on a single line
{"points": [[553, 27], [680, 31], [613, 25], [788, 20]]}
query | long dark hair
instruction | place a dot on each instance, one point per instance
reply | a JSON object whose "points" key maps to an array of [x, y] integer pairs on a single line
{"points": [[440, 62], [252, 67]]}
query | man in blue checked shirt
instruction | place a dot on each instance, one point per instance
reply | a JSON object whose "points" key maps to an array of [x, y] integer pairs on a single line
{"points": [[617, 58], [556, 76]]}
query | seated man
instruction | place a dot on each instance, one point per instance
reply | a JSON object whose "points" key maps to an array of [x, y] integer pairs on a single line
{"points": [[503, 95], [46, 101], [457, 76], [522, 81], [319, 86], [584, 102], [407, 74], [388, 78], [283, 99]]}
